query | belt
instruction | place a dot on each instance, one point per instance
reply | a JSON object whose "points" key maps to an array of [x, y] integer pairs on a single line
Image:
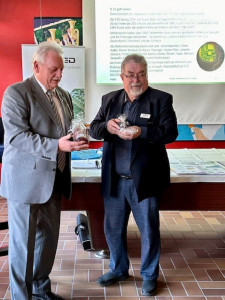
{"points": [[125, 176]]}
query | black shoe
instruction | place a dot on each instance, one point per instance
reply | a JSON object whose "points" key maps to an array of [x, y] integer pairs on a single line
{"points": [[46, 296], [149, 287], [110, 278]]}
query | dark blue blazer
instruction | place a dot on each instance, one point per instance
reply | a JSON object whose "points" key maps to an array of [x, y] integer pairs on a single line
{"points": [[149, 162]]}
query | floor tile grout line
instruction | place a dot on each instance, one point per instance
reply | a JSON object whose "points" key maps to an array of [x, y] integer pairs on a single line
{"points": [[185, 255], [197, 281], [164, 277], [207, 221], [74, 268], [135, 281]]}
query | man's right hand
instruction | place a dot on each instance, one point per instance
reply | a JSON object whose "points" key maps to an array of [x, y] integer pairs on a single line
{"points": [[66, 145], [112, 126]]}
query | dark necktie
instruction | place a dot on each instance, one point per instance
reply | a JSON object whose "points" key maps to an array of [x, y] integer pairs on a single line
{"points": [[61, 161]]}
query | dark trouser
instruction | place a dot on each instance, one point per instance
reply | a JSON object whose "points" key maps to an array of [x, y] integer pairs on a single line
{"points": [[146, 215]]}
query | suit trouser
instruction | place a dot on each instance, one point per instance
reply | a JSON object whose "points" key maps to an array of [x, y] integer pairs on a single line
{"points": [[33, 238], [146, 215]]}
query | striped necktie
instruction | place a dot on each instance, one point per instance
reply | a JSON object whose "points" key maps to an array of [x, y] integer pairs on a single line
{"points": [[61, 159]]}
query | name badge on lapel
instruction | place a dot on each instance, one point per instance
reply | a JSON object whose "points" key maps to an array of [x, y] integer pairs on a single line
{"points": [[145, 116]]}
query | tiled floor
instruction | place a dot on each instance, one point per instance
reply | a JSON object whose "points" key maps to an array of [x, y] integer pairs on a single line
{"points": [[192, 264]]}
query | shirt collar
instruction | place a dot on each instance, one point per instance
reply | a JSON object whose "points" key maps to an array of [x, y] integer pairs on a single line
{"points": [[126, 98], [42, 86]]}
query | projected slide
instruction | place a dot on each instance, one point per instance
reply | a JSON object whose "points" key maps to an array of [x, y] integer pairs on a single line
{"points": [[183, 42]]}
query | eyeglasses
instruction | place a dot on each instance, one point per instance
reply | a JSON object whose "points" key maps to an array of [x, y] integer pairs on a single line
{"points": [[139, 76]]}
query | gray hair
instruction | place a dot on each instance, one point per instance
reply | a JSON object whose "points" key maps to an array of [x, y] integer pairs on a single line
{"points": [[43, 49], [136, 58]]}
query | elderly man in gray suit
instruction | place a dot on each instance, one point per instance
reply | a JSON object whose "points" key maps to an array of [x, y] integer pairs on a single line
{"points": [[36, 171]]}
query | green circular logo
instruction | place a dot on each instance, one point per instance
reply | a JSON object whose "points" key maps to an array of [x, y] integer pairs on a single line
{"points": [[210, 56]]}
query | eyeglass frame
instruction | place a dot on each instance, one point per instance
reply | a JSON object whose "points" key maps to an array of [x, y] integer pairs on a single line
{"points": [[139, 76]]}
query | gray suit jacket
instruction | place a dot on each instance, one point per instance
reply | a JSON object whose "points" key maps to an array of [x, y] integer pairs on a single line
{"points": [[31, 143]]}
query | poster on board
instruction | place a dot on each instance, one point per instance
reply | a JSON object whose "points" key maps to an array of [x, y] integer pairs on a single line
{"points": [[73, 79], [64, 31]]}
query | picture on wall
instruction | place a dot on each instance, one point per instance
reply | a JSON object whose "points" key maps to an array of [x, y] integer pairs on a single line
{"points": [[201, 132], [65, 31]]}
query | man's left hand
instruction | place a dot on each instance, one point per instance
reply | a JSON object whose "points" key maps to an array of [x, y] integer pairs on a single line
{"points": [[129, 133]]}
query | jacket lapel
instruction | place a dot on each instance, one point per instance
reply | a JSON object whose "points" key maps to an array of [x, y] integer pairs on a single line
{"points": [[67, 114], [40, 96], [116, 106], [144, 111]]}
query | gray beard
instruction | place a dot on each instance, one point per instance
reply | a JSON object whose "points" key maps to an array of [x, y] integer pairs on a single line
{"points": [[137, 92]]}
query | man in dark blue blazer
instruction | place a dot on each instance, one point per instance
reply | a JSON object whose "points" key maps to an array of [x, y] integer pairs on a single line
{"points": [[135, 122]]}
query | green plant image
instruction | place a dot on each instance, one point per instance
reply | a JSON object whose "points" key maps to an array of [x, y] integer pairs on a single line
{"points": [[210, 56], [78, 101], [66, 32]]}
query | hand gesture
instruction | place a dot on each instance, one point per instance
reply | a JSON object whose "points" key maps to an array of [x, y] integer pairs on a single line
{"points": [[66, 145], [129, 133]]}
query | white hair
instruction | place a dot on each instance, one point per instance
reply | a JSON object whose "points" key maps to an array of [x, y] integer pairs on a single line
{"points": [[43, 49], [139, 59]]}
